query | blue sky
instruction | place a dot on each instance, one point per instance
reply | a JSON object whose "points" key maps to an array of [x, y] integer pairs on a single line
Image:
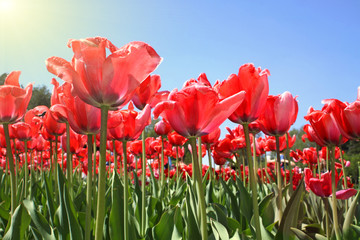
{"points": [[312, 48]]}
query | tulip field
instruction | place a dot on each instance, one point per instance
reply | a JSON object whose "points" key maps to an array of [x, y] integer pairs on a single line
{"points": [[115, 158]]}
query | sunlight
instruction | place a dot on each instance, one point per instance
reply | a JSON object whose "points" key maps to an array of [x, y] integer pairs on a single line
{"points": [[6, 5]]}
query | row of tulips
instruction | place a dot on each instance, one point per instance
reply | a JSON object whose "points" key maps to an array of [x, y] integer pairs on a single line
{"points": [[86, 115]]}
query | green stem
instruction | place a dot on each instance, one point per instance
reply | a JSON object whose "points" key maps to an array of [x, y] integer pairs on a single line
{"points": [[200, 154], [198, 180], [26, 171], [115, 156], [16, 163], [345, 180], [162, 163], [210, 163], [55, 165], [126, 193], [318, 161], [102, 175], [252, 182], [69, 160], [10, 157], [143, 183], [88, 188], [279, 178], [289, 159], [177, 162], [333, 198], [328, 232], [94, 177]]}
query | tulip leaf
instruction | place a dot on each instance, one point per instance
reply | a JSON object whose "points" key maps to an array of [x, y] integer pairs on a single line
{"points": [[20, 221], [320, 237], [219, 230], [50, 202], [300, 234], [116, 220], [289, 218], [178, 195], [61, 219], [349, 218], [39, 221], [164, 230], [246, 206], [74, 226], [235, 209], [192, 227]]}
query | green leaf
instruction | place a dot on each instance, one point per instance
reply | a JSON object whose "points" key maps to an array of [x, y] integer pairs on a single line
{"points": [[179, 194], [164, 229], [264, 204], [116, 221], [39, 221], [246, 205], [74, 226], [192, 227], [19, 223], [235, 209], [300, 234], [50, 202], [219, 230], [61, 219], [320, 237], [289, 218], [349, 218]]}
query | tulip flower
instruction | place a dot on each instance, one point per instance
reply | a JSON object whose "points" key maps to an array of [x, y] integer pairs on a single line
{"points": [[146, 91], [254, 82], [13, 103], [323, 187]]}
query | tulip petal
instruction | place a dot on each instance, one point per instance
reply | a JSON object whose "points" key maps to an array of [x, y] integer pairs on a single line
{"points": [[345, 193]]}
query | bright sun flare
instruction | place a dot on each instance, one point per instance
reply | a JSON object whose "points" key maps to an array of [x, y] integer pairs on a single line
{"points": [[6, 5]]}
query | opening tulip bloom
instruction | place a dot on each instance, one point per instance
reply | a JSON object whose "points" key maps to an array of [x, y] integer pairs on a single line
{"points": [[279, 114], [13, 99], [325, 126], [322, 187], [105, 80], [196, 109], [254, 82]]}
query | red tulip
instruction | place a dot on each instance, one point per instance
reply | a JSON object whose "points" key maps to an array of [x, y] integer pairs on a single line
{"points": [[22, 131], [254, 82], [196, 109], [77, 142], [212, 137], [176, 139], [162, 128], [13, 99], [131, 124], [322, 187], [347, 116], [279, 114], [325, 126], [146, 91], [52, 126], [105, 80]]}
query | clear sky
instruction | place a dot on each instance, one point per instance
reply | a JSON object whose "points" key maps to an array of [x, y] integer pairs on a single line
{"points": [[312, 48]]}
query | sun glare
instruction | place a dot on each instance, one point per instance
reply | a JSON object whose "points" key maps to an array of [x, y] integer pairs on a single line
{"points": [[6, 5]]}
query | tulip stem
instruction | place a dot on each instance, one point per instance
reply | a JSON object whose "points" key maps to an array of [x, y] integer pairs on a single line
{"points": [[10, 158], [288, 158], [88, 188], [68, 159], [279, 178], [198, 181], [55, 165], [200, 154], [345, 179], [143, 183], [210, 164], [126, 193], [162, 176], [177, 162], [333, 198], [115, 156], [252, 182], [102, 175], [26, 171]]}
